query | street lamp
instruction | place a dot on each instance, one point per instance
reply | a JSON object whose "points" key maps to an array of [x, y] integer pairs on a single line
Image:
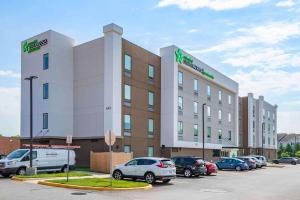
{"points": [[30, 78], [262, 138], [203, 105]]}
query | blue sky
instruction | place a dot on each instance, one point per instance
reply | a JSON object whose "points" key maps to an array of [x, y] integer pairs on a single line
{"points": [[255, 42]]}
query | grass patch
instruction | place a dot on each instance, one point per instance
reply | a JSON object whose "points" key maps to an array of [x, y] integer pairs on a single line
{"points": [[83, 169], [101, 182], [53, 175]]}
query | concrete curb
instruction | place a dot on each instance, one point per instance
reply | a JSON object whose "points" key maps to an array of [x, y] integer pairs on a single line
{"points": [[18, 179], [47, 183], [276, 166]]}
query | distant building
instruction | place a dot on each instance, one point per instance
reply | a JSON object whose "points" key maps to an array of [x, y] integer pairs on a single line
{"points": [[285, 138], [8, 144], [258, 126]]}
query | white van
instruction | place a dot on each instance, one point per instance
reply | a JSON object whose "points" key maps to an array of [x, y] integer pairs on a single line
{"points": [[45, 160]]}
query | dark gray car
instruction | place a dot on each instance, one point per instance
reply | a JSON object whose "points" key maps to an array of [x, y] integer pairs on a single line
{"points": [[286, 160], [250, 161]]}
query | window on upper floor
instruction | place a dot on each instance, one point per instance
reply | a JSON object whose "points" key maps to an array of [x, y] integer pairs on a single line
{"points": [[151, 99], [45, 90], [220, 95], [150, 127], [220, 134], [220, 115], [180, 127], [229, 99], [127, 148], [45, 120], [180, 103], [208, 91], [127, 122], [229, 135], [127, 93], [195, 107], [127, 63], [180, 78], [196, 86], [208, 111], [151, 72], [208, 132], [45, 61], [229, 117], [195, 130]]}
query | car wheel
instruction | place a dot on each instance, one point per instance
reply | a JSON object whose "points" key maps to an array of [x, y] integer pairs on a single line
{"points": [[21, 171], [208, 173], [117, 174], [293, 163], [187, 173], [166, 180], [150, 178], [238, 168], [64, 169]]}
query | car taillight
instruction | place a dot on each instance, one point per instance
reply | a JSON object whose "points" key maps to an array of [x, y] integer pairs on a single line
{"points": [[161, 165]]}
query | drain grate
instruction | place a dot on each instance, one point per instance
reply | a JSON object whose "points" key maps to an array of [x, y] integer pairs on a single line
{"points": [[78, 193]]}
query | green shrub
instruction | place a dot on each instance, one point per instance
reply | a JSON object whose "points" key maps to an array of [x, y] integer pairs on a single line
{"points": [[285, 154], [297, 154]]}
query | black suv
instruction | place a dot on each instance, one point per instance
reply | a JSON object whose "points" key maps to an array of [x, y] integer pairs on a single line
{"points": [[189, 165]]}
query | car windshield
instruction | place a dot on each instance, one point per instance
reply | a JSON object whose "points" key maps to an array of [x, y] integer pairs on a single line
{"points": [[17, 154]]}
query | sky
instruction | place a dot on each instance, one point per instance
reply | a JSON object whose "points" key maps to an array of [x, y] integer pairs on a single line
{"points": [[254, 42]]}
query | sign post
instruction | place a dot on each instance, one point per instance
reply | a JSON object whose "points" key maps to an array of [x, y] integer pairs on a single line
{"points": [[110, 139], [69, 142]]}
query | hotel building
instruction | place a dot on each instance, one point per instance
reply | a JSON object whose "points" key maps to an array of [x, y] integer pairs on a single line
{"points": [[152, 103], [258, 126]]}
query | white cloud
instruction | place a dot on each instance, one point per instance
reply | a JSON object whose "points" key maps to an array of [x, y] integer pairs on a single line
{"points": [[211, 4], [9, 73], [288, 121], [193, 30], [285, 3], [267, 34], [267, 58], [9, 110], [270, 82]]}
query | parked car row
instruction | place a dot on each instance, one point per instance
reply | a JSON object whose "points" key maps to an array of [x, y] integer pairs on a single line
{"points": [[152, 169]]}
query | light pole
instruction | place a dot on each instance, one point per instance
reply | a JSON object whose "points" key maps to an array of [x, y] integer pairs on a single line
{"points": [[30, 78], [262, 138], [203, 105]]}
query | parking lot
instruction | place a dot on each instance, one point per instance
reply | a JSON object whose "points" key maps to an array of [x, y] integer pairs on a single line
{"points": [[268, 183]]}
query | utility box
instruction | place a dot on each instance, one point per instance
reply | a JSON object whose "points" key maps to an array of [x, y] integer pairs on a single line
{"points": [[99, 161]]}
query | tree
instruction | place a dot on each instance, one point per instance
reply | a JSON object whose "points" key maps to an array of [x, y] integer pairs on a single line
{"points": [[289, 148], [297, 147], [280, 150], [285, 154], [297, 154]]}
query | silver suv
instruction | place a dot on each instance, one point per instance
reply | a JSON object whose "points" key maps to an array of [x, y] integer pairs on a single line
{"points": [[149, 169]]}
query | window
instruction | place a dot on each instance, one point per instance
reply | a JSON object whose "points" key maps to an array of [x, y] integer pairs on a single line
{"points": [[146, 162], [253, 126], [180, 78], [269, 128], [196, 86], [45, 90], [45, 120], [151, 71], [264, 140], [269, 141], [229, 117], [180, 128], [180, 103], [151, 99], [220, 95], [208, 111], [273, 116], [150, 126], [127, 148], [253, 138], [273, 141], [273, 129], [127, 93], [216, 152], [264, 112], [253, 111], [45, 61], [127, 63], [150, 151], [229, 135], [220, 134], [229, 99], [268, 114], [208, 91], [127, 122], [195, 107], [220, 115], [208, 132], [195, 130]]}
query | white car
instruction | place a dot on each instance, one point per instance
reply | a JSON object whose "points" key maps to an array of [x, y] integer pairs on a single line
{"points": [[45, 160], [148, 168]]}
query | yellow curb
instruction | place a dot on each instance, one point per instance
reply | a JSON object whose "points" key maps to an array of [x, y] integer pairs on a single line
{"points": [[91, 188], [18, 179]]}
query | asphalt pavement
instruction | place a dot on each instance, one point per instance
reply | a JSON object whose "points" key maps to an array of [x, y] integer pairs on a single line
{"points": [[262, 184]]}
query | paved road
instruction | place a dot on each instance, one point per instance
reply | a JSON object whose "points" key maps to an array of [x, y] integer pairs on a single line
{"points": [[264, 184]]}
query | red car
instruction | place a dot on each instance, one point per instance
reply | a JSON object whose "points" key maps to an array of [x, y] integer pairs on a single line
{"points": [[211, 168]]}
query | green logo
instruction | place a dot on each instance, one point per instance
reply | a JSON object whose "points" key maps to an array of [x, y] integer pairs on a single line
{"points": [[183, 59], [179, 56], [33, 45]]}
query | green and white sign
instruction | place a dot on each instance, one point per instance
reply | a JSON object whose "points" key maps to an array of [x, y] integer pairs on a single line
{"points": [[33, 45], [183, 59]]}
